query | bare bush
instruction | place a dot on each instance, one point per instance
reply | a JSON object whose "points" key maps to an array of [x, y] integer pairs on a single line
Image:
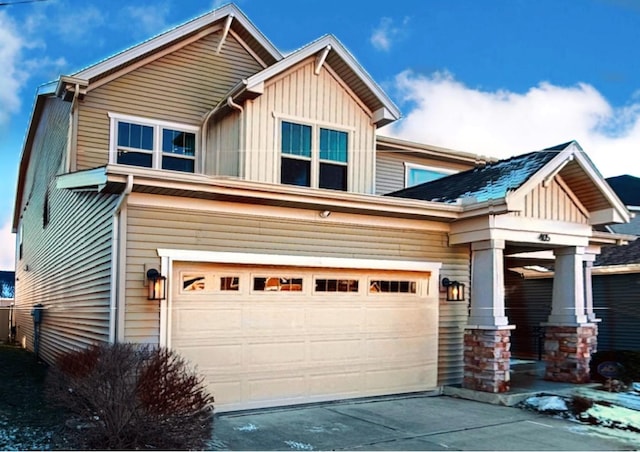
{"points": [[131, 397]]}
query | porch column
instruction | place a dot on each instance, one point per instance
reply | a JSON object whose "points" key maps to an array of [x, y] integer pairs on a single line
{"points": [[570, 335], [486, 339]]}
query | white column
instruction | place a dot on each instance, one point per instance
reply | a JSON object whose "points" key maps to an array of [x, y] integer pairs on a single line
{"points": [[588, 287], [567, 304], [487, 285]]}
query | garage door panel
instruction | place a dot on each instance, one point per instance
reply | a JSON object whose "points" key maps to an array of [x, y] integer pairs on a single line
{"points": [[276, 353], [259, 348], [276, 317], [213, 356], [195, 321], [400, 348], [332, 350], [329, 317], [270, 388]]}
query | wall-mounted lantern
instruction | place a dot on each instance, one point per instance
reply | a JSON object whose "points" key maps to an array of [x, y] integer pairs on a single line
{"points": [[157, 285], [455, 289]]}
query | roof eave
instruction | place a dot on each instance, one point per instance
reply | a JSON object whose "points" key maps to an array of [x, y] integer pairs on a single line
{"points": [[278, 194], [385, 115], [175, 34]]}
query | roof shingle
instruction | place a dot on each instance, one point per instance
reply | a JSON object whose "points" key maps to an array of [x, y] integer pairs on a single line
{"points": [[491, 181]]}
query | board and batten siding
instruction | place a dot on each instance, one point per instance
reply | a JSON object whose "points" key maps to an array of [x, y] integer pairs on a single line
{"points": [[150, 228], [552, 202], [66, 261], [318, 100], [180, 87]]}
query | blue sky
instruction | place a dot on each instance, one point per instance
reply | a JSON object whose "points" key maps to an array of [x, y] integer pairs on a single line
{"points": [[496, 78]]}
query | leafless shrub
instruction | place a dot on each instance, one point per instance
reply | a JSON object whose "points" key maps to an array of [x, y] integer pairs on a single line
{"points": [[131, 397]]}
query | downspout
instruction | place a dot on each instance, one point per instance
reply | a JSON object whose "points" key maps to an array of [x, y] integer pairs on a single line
{"points": [[72, 136], [115, 259], [238, 107]]}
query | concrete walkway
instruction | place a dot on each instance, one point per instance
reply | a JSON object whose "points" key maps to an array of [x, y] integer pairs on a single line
{"points": [[416, 422]]}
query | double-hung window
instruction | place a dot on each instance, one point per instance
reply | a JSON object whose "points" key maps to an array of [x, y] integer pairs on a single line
{"points": [[314, 156], [153, 144]]}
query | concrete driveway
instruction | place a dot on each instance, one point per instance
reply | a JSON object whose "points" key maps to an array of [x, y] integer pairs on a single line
{"points": [[405, 423]]}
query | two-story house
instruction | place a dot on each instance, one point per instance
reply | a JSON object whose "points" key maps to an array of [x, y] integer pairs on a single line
{"points": [[203, 192]]}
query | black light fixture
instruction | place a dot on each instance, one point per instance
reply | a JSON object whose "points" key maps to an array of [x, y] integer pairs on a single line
{"points": [[157, 285], [455, 289]]}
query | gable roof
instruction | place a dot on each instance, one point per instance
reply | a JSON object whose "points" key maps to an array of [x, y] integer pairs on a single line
{"points": [[627, 188], [328, 50], [619, 255], [509, 181], [263, 48]]}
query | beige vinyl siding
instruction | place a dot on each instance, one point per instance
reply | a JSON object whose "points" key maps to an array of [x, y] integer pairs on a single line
{"points": [[180, 87], [321, 100], [66, 265], [152, 228], [390, 169], [223, 154], [552, 203]]}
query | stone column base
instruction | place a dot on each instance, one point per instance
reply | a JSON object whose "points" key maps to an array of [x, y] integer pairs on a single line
{"points": [[486, 360], [567, 352]]}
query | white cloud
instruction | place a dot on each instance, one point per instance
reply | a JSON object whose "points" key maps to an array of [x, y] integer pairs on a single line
{"points": [[385, 35], [447, 113], [11, 77], [75, 24], [149, 20], [7, 246]]}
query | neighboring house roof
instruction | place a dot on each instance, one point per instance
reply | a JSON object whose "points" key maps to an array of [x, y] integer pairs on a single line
{"points": [[329, 50], [627, 188], [7, 284], [507, 182], [619, 255]]}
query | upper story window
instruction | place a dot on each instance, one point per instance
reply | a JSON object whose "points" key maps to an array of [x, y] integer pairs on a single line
{"points": [[419, 174], [153, 144], [314, 156]]}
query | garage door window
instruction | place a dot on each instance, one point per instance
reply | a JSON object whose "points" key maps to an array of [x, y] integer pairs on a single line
{"points": [[230, 283], [391, 286], [336, 285], [193, 283], [277, 283]]}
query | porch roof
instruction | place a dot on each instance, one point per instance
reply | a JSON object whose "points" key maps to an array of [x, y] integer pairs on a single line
{"points": [[491, 181]]}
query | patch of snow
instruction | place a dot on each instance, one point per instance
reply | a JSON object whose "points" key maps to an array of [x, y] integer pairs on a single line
{"points": [[295, 445], [247, 428], [613, 417], [547, 403], [316, 429]]}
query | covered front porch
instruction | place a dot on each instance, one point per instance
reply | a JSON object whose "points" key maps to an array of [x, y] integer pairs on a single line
{"points": [[551, 205]]}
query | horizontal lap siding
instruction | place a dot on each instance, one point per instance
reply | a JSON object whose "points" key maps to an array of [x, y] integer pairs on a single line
{"points": [[66, 265], [616, 300], [316, 99], [151, 228], [181, 87]]}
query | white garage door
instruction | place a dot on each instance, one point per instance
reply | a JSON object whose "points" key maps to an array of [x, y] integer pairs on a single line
{"points": [[267, 336]]}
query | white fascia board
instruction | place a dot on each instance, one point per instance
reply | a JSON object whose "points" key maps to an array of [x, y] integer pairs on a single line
{"points": [[295, 261], [175, 34], [588, 167], [515, 199], [606, 216], [82, 179], [312, 49]]}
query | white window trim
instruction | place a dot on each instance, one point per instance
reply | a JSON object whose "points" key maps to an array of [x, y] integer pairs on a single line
{"points": [[408, 166], [157, 125], [315, 146]]}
